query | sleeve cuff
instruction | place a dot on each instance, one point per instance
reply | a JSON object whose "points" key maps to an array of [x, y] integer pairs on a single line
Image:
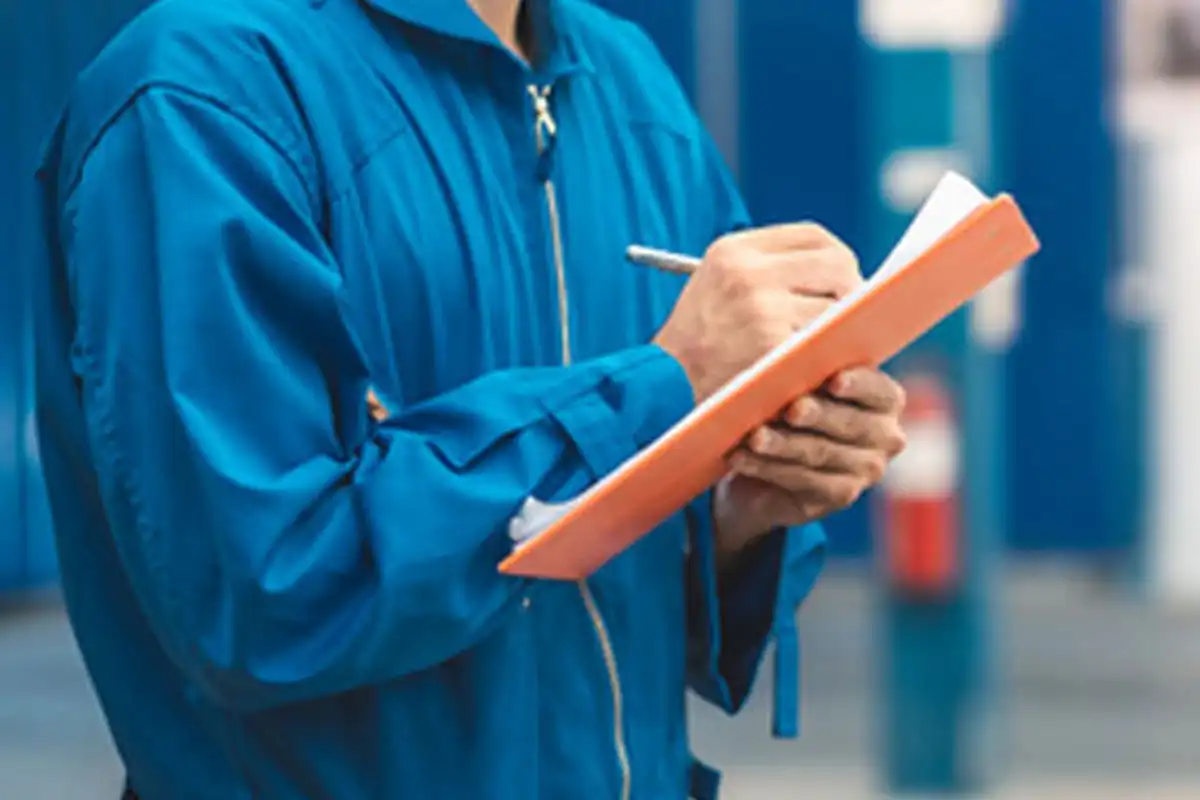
{"points": [[733, 617], [654, 392], [645, 391]]}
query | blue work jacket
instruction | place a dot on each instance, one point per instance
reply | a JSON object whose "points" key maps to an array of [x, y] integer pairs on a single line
{"points": [[255, 212]]}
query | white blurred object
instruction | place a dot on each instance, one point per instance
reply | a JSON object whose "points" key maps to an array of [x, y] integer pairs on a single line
{"points": [[941, 24], [996, 312], [1164, 123], [910, 176], [929, 467], [1161, 112], [718, 76], [1135, 295]]}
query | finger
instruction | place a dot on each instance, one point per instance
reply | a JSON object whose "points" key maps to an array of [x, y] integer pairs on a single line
{"points": [[869, 388], [815, 452], [825, 272], [825, 488], [784, 237], [846, 423]]}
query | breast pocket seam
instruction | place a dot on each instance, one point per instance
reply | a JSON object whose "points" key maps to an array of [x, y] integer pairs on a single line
{"points": [[659, 125], [345, 184]]}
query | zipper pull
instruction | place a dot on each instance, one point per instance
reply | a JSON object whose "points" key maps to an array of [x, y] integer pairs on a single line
{"points": [[545, 129]]}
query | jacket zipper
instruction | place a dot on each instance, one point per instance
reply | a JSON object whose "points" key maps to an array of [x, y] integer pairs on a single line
{"points": [[545, 129]]}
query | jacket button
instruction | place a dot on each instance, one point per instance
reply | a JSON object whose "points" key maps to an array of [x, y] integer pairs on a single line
{"points": [[526, 603]]}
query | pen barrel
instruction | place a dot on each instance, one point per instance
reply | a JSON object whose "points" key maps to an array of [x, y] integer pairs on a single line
{"points": [[662, 259]]}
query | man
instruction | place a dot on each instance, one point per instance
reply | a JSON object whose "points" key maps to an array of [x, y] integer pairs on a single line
{"points": [[259, 213]]}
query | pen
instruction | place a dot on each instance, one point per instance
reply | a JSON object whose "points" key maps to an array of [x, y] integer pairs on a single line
{"points": [[661, 259]]}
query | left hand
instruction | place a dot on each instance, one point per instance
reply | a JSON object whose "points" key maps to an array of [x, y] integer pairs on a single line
{"points": [[825, 451]]}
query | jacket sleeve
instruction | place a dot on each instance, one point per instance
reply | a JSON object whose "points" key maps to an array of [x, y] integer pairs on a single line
{"points": [[283, 545], [734, 616]]}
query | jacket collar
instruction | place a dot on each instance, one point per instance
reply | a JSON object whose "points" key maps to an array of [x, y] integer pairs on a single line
{"points": [[551, 28]]}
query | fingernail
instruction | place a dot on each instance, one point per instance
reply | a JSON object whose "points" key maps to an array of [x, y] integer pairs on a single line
{"points": [[841, 384], [802, 412], [760, 440]]}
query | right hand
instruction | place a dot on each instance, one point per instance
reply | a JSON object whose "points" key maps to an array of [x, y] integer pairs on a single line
{"points": [[752, 291]]}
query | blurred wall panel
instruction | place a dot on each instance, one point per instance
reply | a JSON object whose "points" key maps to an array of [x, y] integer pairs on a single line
{"points": [[801, 98], [1060, 162], [11, 545], [43, 44]]}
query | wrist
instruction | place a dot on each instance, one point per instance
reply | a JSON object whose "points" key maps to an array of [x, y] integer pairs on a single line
{"points": [[734, 528], [689, 359]]}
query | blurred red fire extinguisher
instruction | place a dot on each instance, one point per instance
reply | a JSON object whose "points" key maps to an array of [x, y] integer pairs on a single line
{"points": [[920, 509]]}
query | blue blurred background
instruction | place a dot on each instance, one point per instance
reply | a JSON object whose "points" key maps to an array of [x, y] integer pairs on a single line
{"points": [[1080, 585]]}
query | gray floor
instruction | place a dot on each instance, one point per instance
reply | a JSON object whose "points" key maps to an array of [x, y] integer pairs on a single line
{"points": [[53, 744], [1103, 702]]}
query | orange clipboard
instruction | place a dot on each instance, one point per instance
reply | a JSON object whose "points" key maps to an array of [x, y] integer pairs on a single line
{"points": [[690, 458]]}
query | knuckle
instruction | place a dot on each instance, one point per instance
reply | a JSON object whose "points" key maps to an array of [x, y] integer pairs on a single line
{"points": [[725, 255], [746, 465], [848, 260], [816, 231], [735, 286], [764, 442], [895, 441], [846, 270], [845, 493], [845, 422], [875, 466], [820, 454], [803, 411], [735, 277]]}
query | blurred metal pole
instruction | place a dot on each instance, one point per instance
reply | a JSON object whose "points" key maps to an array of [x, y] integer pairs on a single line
{"points": [[930, 109], [718, 76]]}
